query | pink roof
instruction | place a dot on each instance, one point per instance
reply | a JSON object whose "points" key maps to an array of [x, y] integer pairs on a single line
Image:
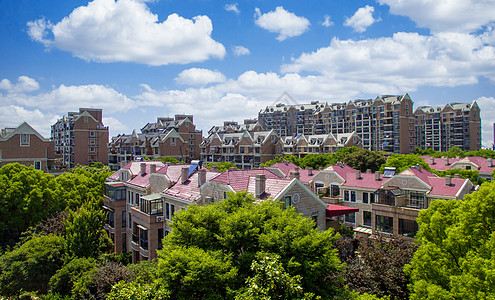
{"points": [[239, 179], [287, 167], [189, 190], [143, 180], [367, 181], [173, 172], [482, 164], [273, 187], [439, 188], [422, 174], [342, 170], [439, 165], [135, 168], [339, 210]]}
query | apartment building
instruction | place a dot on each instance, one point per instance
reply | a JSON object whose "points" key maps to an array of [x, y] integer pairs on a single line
{"points": [[245, 148], [389, 202], [451, 125], [385, 123], [81, 138], [301, 145], [174, 137], [26, 146]]}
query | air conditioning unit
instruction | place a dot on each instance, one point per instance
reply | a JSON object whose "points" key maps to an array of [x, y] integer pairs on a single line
{"points": [[160, 218]]}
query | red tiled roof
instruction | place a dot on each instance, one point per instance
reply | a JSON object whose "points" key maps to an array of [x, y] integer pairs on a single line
{"points": [[135, 168], [439, 163], [285, 167], [439, 188], [239, 179], [143, 180], [273, 187], [173, 172], [367, 181], [422, 174], [189, 190], [342, 170], [339, 210]]}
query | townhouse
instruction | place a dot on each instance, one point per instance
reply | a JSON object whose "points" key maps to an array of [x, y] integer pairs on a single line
{"points": [[26, 146], [81, 138], [483, 165], [173, 137]]}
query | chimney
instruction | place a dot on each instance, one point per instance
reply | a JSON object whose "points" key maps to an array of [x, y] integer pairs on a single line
{"points": [[448, 180], [143, 169], [184, 174], [457, 176], [260, 184], [152, 168], [201, 177], [446, 161], [294, 174], [432, 160], [310, 171], [490, 162], [358, 174], [214, 168], [377, 175], [321, 169], [368, 171], [232, 168], [168, 163]]}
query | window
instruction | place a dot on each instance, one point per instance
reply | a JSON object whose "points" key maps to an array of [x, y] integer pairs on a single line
{"points": [[129, 198], [351, 218], [137, 199], [160, 238], [353, 196], [37, 165], [335, 190], [347, 195], [417, 200], [24, 139], [408, 228], [365, 198], [172, 142], [92, 134], [130, 219], [124, 242], [111, 219], [124, 215], [287, 201], [372, 198], [384, 224], [169, 211], [143, 238], [367, 218]]}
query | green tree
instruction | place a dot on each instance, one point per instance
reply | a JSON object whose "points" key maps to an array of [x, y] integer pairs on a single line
{"points": [[26, 198], [222, 166], [29, 267], [85, 236], [403, 162], [271, 281], [63, 281], [287, 157], [363, 160], [238, 228], [456, 257], [137, 291]]}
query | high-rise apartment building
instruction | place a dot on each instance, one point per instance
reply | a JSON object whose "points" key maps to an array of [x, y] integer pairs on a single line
{"points": [[81, 138], [385, 123], [451, 125]]}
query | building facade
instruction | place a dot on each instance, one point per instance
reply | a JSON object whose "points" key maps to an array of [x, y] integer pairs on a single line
{"points": [[81, 138], [173, 137], [26, 146]]}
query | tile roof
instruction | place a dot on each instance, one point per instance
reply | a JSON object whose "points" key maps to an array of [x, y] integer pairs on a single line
{"points": [[439, 165], [342, 170], [273, 187], [135, 168], [439, 188], [173, 172], [239, 179], [143, 180], [287, 167], [367, 181], [189, 190], [422, 174]]}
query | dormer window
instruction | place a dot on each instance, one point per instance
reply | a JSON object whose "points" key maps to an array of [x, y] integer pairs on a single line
{"points": [[25, 139]]}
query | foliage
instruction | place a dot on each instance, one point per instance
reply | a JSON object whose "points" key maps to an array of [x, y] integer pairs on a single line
{"points": [[29, 267], [378, 267], [63, 281], [137, 291], [222, 166], [456, 256], [121, 258], [85, 236], [363, 160], [26, 198], [472, 175], [456, 152], [144, 271], [403, 162], [238, 229], [288, 157], [98, 283], [271, 281]]}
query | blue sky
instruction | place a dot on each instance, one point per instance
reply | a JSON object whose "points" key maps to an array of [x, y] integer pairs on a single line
{"points": [[225, 60]]}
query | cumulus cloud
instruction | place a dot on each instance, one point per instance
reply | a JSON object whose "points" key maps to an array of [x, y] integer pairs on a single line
{"points": [[362, 19], [404, 61], [14, 115], [445, 16], [233, 8], [327, 22], [240, 50], [127, 31], [24, 84], [197, 76], [280, 21], [115, 125]]}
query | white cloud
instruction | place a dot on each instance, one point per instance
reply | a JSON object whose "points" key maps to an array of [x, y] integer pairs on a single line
{"points": [[362, 19], [280, 21], [233, 8], [115, 125], [127, 31], [445, 16], [13, 116], [240, 50], [403, 62], [24, 84], [197, 76], [327, 22]]}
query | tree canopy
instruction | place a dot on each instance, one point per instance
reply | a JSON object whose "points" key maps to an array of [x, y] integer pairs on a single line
{"points": [[364, 160], [222, 166], [456, 256]]}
